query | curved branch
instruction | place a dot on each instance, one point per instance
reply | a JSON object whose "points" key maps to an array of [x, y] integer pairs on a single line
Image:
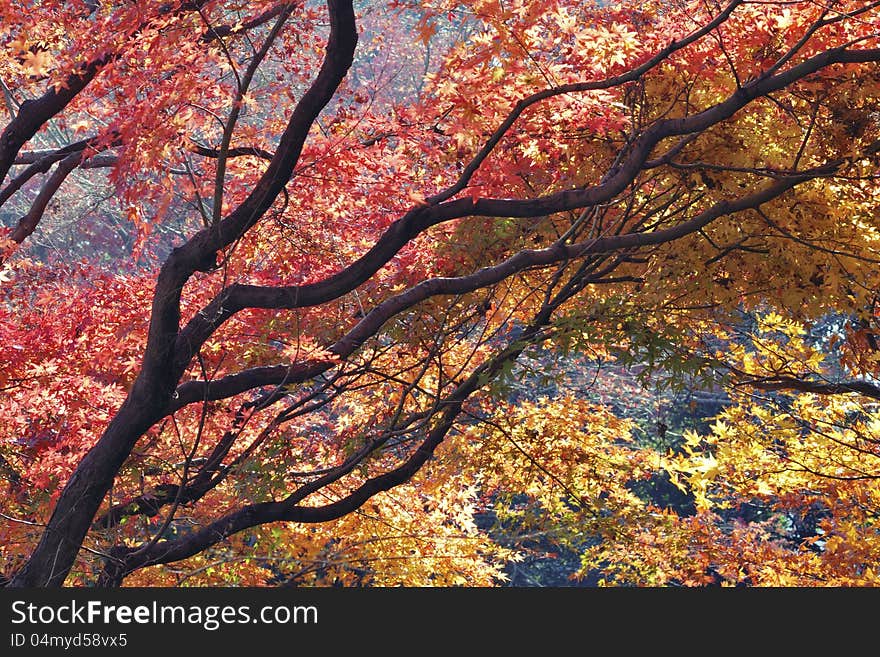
{"points": [[233, 152], [54, 154], [841, 388], [28, 223], [233, 384], [192, 392], [96, 162], [225, 30]]}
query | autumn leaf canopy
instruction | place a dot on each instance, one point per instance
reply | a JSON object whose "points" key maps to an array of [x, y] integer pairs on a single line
{"points": [[439, 294]]}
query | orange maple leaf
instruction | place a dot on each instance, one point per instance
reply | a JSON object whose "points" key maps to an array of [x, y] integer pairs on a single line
{"points": [[37, 63]]}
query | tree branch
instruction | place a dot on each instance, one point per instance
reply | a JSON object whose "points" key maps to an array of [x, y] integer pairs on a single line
{"points": [[125, 560], [817, 387], [225, 30], [28, 223], [42, 161], [233, 152]]}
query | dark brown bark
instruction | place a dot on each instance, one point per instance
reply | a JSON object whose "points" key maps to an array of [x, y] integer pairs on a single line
{"points": [[42, 161], [28, 223], [239, 151], [226, 30]]}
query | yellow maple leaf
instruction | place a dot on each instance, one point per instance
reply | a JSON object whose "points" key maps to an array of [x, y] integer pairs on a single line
{"points": [[784, 20], [19, 45], [37, 63]]}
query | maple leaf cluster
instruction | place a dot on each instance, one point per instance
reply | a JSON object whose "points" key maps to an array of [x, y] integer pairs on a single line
{"points": [[415, 294]]}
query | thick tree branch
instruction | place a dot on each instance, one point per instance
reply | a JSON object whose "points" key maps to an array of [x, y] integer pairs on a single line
{"points": [[153, 387], [283, 375], [52, 155], [817, 387], [96, 162], [225, 30], [192, 392], [239, 151]]}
